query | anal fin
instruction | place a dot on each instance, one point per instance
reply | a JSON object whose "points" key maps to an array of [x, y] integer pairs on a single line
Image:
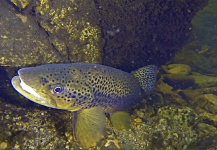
{"points": [[89, 126], [120, 120]]}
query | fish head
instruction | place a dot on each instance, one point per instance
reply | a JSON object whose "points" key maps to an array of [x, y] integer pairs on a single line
{"points": [[48, 85]]}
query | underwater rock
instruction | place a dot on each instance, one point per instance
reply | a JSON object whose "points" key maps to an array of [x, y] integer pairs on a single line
{"points": [[3, 145], [206, 128], [164, 87], [148, 31], [207, 135], [179, 116], [155, 133], [179, 81], [123, 34], [203, 81], [22, 41], [73, 28], [208, 118], [207, 102], [34, 127], [155, 100], [22, 4], [208, 141], [177, 69], [190, 94]]}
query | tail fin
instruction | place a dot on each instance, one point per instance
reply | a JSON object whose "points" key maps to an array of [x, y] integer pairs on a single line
{"points": [[147, 77]]}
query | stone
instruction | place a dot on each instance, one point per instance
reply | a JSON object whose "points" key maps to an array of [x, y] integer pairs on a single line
{"points": [[207, 102], [189, 81], [123, 34], [33, 126], [177, 69], [208, 118], [22, 41], [179, 116]]}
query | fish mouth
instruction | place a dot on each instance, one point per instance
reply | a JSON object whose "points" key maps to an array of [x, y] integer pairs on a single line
{"points": [[27, 91]]}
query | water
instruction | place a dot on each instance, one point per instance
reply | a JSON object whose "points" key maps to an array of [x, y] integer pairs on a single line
{"points": [[180, 114]]}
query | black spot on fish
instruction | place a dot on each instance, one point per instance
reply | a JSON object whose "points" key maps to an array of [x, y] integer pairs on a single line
{"points": [[44, 80]]}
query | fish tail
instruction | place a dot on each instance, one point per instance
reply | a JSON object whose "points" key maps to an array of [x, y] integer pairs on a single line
{"points": [[147, 77]]}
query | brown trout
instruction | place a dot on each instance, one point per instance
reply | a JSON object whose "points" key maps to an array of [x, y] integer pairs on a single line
{"points": [[88, 90]]}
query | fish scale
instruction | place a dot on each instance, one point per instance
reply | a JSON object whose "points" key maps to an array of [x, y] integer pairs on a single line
{"points": [[89, 91], [119, 87]]}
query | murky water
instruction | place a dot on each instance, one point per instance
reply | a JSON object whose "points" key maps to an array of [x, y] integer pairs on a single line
{"points": [[180, 114]]}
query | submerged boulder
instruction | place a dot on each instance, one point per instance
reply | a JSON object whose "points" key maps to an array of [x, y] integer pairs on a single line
{"points": [[123, 34]]}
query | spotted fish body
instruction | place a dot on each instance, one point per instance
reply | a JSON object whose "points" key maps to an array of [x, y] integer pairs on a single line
{"points": [[87, 89]]}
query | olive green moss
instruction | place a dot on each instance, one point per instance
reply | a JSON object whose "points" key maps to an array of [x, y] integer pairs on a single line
{"points": [[73, 29], [22, 4], [22, 41]]}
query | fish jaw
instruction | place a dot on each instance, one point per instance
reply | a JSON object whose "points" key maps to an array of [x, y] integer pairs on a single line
{"points": [[21, 87]]}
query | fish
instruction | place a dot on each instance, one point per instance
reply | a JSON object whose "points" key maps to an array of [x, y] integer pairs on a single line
{"points": [[88, 91]]}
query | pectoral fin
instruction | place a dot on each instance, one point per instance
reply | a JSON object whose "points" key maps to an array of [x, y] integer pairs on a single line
{"points": [[89, 126], [120, 120]]}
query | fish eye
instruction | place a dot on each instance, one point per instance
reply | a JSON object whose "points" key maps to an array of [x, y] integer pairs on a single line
{"points": [[57, 90]]}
